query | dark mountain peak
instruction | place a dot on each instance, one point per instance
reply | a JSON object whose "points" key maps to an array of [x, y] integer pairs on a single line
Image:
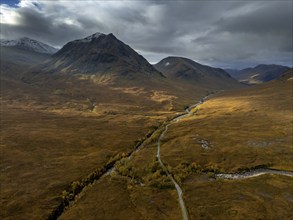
{"points": [[96, 37], [187, 70], [90, 38], [100, 54], [266, 65], [188, 63], [25, 39], [112, 35], [177, 60], [182, 67]]}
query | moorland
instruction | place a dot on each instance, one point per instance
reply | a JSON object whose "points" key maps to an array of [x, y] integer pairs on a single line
{"points": [[80, 144]]}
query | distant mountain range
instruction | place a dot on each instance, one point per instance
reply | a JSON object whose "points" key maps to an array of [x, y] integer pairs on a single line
{"points": [[258, 74], [108, 59], [105, 55]]}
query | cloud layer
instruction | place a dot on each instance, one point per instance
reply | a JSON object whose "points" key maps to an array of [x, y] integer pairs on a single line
{"points": [[233, 34]]}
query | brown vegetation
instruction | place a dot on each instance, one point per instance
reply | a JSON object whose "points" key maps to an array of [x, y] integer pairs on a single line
{"points": [[263, 197], [240, 130], [60, 136]]}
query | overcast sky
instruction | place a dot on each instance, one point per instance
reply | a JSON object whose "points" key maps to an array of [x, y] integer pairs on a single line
{"points": [[228, 34]]}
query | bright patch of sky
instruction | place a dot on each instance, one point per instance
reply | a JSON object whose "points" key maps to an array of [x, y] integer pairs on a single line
{"points": [[11, 3]]}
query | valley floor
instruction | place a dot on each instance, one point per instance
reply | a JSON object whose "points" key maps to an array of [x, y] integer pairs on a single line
{"points": [[232, 132]]}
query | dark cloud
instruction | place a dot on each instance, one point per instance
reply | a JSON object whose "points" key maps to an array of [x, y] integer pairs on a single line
{"points": [[273, 18], [221, 33]]}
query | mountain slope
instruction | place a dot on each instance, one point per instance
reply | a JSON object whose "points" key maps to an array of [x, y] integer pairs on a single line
{"points": [[101, 54], [259, 74], [17, 56], [29, 45], [188, 71], [287, 75]]}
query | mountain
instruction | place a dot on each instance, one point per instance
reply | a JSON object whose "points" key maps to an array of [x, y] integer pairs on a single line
{"points": [[29, 44], [19, 55], [287, 75], [100, 55], [259, 74], [189, 71]]}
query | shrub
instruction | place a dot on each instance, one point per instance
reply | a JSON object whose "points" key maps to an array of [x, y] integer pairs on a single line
{"points": [[213, 168], [159, 180], [157, 177], [261, 166]]}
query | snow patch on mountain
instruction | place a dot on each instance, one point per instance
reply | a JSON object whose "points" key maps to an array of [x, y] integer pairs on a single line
{"points": [[29, 44], [89, 38], [8, 43]]}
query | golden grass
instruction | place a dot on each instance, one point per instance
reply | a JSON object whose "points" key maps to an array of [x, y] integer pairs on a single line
{"points": [[43, 152], [263, 197], [244, 129], [235, 125], [140, 192], [119, 198], [51, 135]]}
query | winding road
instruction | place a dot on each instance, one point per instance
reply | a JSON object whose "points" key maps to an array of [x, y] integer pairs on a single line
{"points": [[178, 188]]}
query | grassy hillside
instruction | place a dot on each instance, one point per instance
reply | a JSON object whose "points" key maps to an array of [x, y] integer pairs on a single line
{"points": [[59, 129], [231, 132], [43, 152], [120, 198], [243, 128], [263, 197]]}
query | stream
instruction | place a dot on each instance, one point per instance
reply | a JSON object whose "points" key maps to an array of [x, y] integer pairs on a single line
{"points": [[252, 173]]}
